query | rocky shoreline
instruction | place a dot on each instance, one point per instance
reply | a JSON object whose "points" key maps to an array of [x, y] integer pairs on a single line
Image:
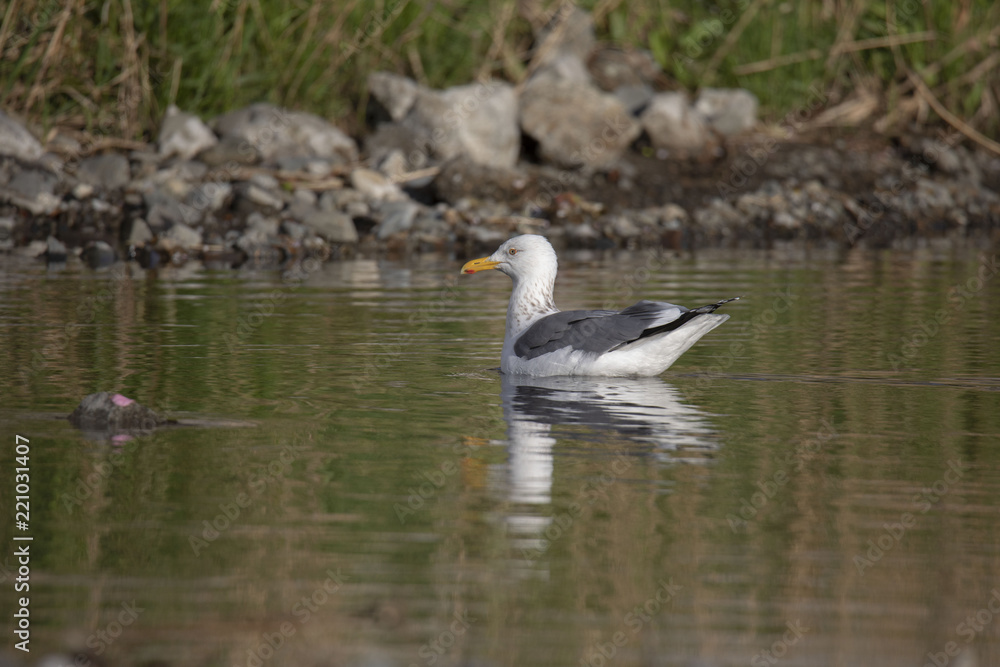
{"points": [[589, 150]]}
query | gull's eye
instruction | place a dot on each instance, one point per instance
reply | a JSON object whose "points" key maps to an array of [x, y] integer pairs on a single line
{"points": [[512, 251]]}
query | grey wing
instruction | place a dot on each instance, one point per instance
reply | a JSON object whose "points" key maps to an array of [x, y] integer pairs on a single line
{"points": [[599, 331]]}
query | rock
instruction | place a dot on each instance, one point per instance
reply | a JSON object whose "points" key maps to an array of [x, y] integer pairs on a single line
{"points": [[374, 185], [305, 196], [358, 209], [399, 137], [728, 111], [106, 411], [230, 154], [569, 33], [339, 199], [274, 132], [487, 235], [260, 238], [314, 166], [718, 216], [181, 237], [477, 121], [575, 125], [672, 216], [184, 134], [294, 230], [83, 191], [6, 234], [55, 251], [110, 171], [139, 233], [566, 67], [32, 190], [98, 254], [635, 98], [612, 68], [16, 140], [623, 227], [164, 210], [209, 197], [334, 226], [259, 196], [393, 164], [397, 217], [582, 234], [461, 178], [673, 125], [63, 144], [395, 93]]}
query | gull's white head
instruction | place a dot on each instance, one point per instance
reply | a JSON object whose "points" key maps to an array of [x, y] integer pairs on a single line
{"points": [[527, 257]]}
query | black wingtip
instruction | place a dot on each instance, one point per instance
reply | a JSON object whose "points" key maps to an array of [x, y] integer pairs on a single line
{"points": [[712, 306]]}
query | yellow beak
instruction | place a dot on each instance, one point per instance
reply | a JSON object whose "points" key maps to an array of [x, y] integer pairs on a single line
{"points": [[481, 264]]}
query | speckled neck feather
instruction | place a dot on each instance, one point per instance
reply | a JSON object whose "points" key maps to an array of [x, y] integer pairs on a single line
{"points": [[531, 298]]}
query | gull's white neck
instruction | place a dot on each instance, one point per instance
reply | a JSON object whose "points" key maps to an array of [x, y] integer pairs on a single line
{"points": [[530, 300]]}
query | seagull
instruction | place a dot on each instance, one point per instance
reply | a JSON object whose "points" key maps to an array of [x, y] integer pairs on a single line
{"points": [[642, 340]]}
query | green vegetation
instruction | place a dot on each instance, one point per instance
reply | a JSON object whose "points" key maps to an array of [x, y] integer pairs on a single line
{"points": [[111, 67]]}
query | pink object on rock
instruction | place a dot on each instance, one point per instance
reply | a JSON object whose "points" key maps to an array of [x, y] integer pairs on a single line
{"points": [[121, 401]]}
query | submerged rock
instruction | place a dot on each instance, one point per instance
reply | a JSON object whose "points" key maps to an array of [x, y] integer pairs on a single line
{"points": [[6, 234], [98, 254], [55, 251], [107, 411]]}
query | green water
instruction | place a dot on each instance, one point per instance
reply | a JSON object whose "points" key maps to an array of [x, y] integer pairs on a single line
{"points": [[815, 483]]}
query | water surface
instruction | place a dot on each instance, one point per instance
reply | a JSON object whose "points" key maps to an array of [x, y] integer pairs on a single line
{"points": [[816, 482]]}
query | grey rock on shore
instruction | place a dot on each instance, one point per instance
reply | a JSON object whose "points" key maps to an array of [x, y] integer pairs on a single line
{"points": [[17, 141]]}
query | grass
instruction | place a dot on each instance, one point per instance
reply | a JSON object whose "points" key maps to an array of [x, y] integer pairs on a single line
{"points": [[110, 67]]}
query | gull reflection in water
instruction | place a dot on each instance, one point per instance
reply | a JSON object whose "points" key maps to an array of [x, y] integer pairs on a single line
{"points": [[647, 413]]}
